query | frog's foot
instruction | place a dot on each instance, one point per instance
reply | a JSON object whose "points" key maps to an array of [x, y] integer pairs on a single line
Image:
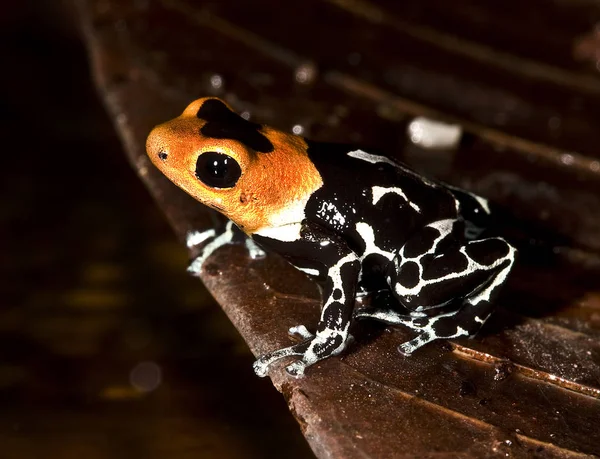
{"points": [[196, 238], [323, 345], [411, 346], [442, 326], [212, 240]]}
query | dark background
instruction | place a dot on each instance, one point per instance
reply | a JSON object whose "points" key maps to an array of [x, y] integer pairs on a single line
{"points": [[92, 284]]}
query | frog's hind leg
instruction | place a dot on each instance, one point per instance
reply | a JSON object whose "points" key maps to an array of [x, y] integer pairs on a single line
{"points": [[436, 267]]}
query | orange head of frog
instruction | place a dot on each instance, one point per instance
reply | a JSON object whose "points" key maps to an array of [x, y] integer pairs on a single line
{"points": [[249, 172]]}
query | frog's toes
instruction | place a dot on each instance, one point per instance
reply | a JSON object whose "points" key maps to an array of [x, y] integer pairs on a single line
{"points": [[411, 346], [406, 349], [261, 368], [195, 267], [195, 238], [301, 332], [296, 369], [216, 241]]}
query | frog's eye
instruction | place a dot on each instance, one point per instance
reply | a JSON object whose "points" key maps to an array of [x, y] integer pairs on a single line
{"points": [[217, 170]]}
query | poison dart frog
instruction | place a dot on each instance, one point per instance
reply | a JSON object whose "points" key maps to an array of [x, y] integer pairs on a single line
{"points": [[354, 221]]}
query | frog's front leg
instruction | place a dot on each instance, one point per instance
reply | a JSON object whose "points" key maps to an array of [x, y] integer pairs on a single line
{"points": [[211, 240], [332, 336]]}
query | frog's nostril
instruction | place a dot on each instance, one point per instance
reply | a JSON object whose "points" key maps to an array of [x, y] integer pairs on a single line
{"points": [[162, 155]]}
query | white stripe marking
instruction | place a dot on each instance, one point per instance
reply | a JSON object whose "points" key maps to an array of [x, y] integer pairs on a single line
{"points": [[311, 271], [285, 233], [380, 191]]}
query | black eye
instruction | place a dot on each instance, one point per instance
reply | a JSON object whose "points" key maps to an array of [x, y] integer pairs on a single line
{"points": [[163, 155], [217, 170]]}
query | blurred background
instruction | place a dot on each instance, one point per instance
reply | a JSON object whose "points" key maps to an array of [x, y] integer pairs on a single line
{"points": [[106, 349]]}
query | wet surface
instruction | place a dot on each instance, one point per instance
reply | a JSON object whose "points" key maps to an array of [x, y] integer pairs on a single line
{"points": [[529, 384]]}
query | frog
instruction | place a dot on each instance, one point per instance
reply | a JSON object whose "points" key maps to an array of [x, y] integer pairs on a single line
{"points": [[355, 221]]}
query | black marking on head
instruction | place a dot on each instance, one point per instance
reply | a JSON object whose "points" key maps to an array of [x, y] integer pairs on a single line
{"points": [[487, 251], [163, 155], [222, 123], [408, 276], [420, 244]]}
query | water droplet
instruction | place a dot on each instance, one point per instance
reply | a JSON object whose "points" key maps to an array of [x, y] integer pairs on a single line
{"points": [[145, 376], [306, 73], [428, 133], [245, 114], [298, 129], [216, 81], [595, 166], [567, 159]]}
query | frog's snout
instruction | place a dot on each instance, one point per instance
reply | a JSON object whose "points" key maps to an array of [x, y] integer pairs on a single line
{"points": [[155, 147]]}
